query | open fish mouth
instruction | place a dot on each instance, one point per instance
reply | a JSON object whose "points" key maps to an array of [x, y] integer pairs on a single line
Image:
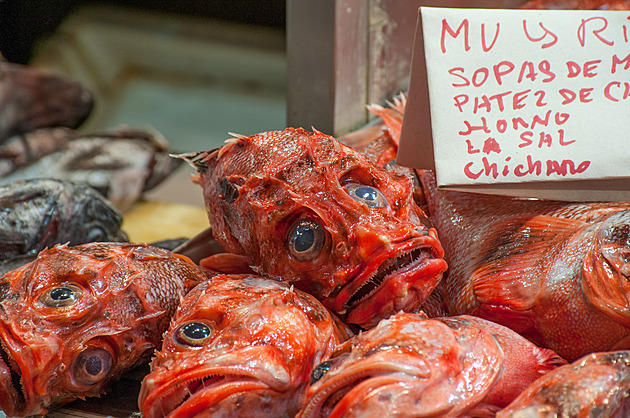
{"points": [[397, 280], [187, 397], [393, 266], [12, 396]]}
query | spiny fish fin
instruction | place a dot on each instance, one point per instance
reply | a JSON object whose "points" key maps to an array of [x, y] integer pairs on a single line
{"points": [[392, 116], [237, 140], [227, 263], [510, 271], [235, 135], [197, 160]]}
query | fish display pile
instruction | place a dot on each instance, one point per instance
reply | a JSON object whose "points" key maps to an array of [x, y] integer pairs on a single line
{"points": [[554, 271], [332, 282], [76, 318], [240, 342]]}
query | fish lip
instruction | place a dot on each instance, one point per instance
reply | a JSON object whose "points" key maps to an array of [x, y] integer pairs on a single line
{"points": [[420, 249], [224, 379]]}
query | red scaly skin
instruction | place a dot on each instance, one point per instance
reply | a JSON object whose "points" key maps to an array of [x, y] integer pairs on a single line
{"points": [[76, 318], [372, 261]]}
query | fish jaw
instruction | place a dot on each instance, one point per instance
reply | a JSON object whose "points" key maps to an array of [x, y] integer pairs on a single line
{"points": [[203, 382], [400, 278]]}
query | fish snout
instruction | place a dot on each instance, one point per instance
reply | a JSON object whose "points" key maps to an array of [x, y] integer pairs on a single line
{"points": [[370, 240], [375, 238]]}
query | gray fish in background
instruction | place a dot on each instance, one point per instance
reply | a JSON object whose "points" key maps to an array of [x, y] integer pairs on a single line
{"points": [[39, 213], [31, 98], [120, 163]]}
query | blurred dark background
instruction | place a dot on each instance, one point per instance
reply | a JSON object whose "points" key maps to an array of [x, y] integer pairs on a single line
{"points": [[24, 22]]}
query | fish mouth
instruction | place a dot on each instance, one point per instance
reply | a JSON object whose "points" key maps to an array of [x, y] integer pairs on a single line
{"points": [[382, 288], [187, 385], [12, 394], [190, 395], [388, 268]]}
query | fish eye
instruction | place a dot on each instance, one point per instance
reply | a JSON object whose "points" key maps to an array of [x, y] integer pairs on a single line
{"points": [[92, 365], [61, 296], [368, 195], [96, 234], [306, 239], [193, 334], [320, 371]]}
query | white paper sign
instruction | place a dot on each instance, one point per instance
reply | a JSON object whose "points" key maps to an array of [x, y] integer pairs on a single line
{"points": [[528, 95]]}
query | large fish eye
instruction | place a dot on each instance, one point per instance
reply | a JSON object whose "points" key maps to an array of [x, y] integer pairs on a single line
{"points": [[92, 365], [368, 195], [306, 239], [193, 334], [61, 296]]}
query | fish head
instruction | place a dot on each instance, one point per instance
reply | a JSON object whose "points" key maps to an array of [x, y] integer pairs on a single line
{"points": [[408, 365], [304, 207], [606, 268], [90, 217], [76, 318], [239, 341], [39, 213]]}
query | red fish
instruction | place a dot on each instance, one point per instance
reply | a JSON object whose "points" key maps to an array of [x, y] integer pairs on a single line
{"points": [[556, 272], [76, 318], [239, 346], [409, 365], [304, 207], [594, 386]]}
